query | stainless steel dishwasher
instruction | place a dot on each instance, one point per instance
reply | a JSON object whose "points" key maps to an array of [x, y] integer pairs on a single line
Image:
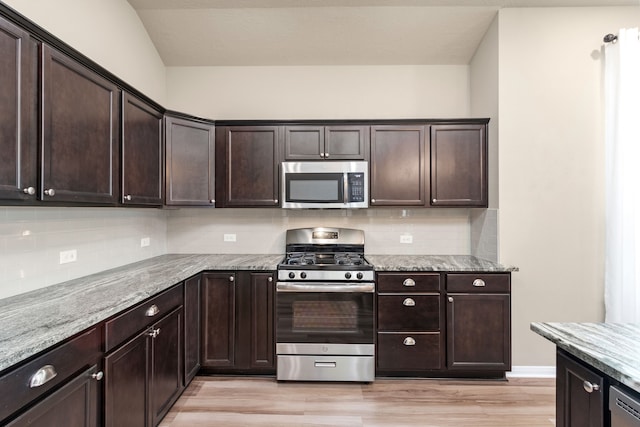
{"points": [[625, 409]]}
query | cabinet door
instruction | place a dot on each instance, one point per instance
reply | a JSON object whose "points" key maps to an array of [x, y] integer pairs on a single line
{"points": [[304, 143], [397, 166], [80, 132], [126, 384], [248, 162], [262, 343], [479, 331], [459, 165], [579, 394], [191, 328], [190, 151], [166, 368], [346, 143], [142, 147], [218, 301], [75, 405], [18, 115]]}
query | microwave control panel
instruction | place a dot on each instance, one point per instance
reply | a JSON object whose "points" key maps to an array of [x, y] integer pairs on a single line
{"points": [[356, 186]]}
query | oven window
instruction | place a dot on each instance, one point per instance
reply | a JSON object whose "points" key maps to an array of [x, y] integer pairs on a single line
{"points": [[340, 316], [324, 317]]}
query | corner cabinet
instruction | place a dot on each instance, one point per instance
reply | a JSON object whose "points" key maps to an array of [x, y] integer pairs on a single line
{"points": [[80, 132], [248, 159], [190, 162], [142, 153], [238, 322], [18, 113], [459, 165], [479, 322]]}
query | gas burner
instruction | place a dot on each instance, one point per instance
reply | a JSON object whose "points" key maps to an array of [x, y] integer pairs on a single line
{"points": [[301, 258], [348, 258]]}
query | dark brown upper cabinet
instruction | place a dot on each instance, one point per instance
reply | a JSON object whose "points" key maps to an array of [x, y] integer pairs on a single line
{"points": [[247, 168], [190, 163], [142, 147], [459, 165], [80, 132], [326, 142], [397, 165], [18, 115]]}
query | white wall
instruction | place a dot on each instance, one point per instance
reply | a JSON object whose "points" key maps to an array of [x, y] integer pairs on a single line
{"points": [[551, 165], [320, 92], [107, 31]]}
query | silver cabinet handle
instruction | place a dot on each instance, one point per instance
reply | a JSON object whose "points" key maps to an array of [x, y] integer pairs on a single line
{"points": [[590, 387], [373, 200], [322, 155], [409, 282], [29, 190], [276, 200], [42, 376], [212, 201], [97, 376], [435, 200], [409, 302], [326, 155], [450, 299], [128, 197], [409, 341], [152, 311], [231, 278], [479, 283], [269, 279], [154, 332], [50, 192]]}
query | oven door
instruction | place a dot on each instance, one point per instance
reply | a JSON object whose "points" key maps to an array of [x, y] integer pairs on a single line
{"points": [[324, 313]]}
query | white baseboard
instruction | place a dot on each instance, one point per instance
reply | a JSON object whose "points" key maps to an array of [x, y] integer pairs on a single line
{"points": [[532, 372]]}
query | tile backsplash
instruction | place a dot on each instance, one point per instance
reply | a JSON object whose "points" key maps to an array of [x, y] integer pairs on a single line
{"points": [[31, 240]]}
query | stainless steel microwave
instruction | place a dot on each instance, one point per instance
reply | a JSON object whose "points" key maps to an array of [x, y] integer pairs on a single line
{"points": [[325, 184]]}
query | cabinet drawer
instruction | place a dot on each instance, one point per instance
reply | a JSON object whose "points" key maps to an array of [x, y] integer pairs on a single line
{"points": [[409, 312], [465, 282], [127, 324], [408, 282], [408, 351], [65, 360]]}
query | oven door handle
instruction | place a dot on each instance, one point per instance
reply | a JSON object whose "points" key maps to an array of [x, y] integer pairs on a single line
{"points": [[310, 287]]}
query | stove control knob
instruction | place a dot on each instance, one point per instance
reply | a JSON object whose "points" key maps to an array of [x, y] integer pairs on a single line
{"points": [[292, 275], [359, 276], [347, 275], [303, 275]]}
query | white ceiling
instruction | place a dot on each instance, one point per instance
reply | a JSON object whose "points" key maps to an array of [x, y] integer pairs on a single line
{"points": [[326, 32]]}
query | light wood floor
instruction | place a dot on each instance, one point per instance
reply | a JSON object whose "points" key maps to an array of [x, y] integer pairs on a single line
{"points": [[241, 401]]}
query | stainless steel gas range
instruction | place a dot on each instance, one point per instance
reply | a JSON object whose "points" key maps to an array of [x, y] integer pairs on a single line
{"points": [[324, 307]]}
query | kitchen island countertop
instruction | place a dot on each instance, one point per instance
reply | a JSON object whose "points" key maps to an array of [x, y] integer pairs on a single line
{"points": [[612, 348]]}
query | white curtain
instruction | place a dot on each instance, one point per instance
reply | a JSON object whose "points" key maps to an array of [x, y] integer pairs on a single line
{"points": [[622, 133]]}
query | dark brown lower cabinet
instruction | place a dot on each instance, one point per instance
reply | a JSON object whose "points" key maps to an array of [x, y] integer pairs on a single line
{"points": [[191, 328], [238, 322], [73, 405], [144, 377], [580, 400]]}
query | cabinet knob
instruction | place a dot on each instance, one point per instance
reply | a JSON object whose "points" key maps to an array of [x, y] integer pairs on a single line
{"points": [[50, 192], [152, 311], [409, 302], [29, 190], [276, 200], [479, 283], [128, 197], [322, 155], [450, 299], [373, 200], [231, 278], [97, 376], [434, 200], [409, 341], [590, 387], [42, 376], [154, 332], [269, 279], [409, 282], [212, 201], [326, 155]]}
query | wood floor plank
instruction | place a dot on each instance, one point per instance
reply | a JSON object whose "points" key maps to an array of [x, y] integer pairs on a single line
{"points": [[248, 401]]}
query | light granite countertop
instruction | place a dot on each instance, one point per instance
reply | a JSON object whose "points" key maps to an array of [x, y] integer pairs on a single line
{"points": [[37, 320], [435, 263], [34, 321], [614, 348]]}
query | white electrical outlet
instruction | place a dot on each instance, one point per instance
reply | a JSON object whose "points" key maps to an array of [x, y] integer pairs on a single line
{"points": [[406, 238], [145, 241], [68, 256], [229, 237]]}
